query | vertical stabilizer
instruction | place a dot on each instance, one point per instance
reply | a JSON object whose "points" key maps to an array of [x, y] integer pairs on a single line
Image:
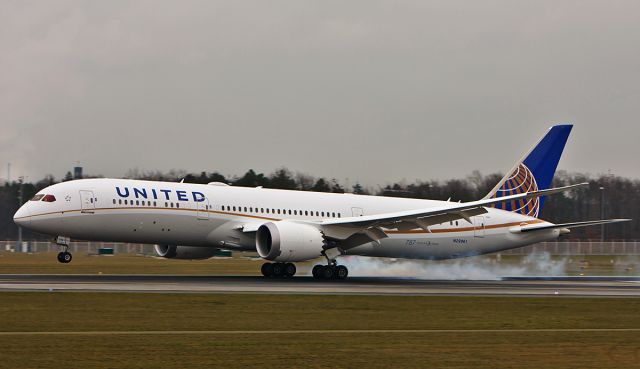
{"points": [[534, 172]]}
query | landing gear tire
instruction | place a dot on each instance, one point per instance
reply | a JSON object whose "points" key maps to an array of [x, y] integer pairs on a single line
{"points": [[289, 270], [330, 272], [65, 257], [278, 270], [317, 271], [327, 272], [341, 272], [267, 269]]}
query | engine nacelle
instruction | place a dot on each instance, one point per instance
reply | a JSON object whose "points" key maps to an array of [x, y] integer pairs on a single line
{"points": [[289, 241], [184, 252]]}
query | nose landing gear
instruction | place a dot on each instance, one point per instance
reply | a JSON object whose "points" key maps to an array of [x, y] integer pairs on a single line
{"points": [[64, 256]]}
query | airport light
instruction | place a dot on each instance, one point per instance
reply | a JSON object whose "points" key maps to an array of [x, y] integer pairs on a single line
{"points": [[20, 201], [602, 213]]}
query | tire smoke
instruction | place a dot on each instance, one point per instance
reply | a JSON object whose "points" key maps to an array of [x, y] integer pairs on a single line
{"points": [[474, 268]]}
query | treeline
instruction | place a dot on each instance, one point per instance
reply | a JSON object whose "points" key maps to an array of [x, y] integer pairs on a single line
{"points": [[621, 195]]}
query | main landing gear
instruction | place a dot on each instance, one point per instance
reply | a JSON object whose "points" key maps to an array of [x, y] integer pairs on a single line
{"points": [[331, 271], [278, 270]]}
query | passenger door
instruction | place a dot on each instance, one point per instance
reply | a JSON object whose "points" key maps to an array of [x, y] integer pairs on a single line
{"points": [[357, 212], [87, 202]]}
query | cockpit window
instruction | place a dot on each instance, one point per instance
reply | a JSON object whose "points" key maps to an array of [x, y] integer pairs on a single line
{"points": [[49, 198], [37, 197]]}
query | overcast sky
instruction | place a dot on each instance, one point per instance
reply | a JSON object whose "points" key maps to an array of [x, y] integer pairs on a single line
{"points": [[373, 91]]}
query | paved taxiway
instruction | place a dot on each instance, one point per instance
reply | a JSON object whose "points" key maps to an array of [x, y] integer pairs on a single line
{"points": [[557, 286]]}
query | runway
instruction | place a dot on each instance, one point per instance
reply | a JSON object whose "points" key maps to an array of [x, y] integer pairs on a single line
{"points": [[517, 286]]}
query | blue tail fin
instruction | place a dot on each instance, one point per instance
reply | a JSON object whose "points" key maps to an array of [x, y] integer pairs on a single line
{"points": [[534, 172]]}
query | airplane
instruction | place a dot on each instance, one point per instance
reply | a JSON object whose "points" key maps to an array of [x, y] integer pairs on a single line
{"points": [[194, 221]]}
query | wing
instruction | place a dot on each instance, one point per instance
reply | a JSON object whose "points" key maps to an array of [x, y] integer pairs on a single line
{"points": [[532, 228], [370, 225]]}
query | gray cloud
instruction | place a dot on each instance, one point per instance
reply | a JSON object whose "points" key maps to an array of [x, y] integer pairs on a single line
{"points": [[369, 90]]}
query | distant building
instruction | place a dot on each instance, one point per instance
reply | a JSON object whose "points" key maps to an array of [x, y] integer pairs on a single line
{"points": [[77, 172]]}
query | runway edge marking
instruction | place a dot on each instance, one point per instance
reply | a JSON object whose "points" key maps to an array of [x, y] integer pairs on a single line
{"points": [[326, 331]]}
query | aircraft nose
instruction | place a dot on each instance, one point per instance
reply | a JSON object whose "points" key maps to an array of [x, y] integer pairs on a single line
{"points": [[22, 217]]}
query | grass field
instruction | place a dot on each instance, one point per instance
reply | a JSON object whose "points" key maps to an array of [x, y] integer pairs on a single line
{"points": [[45, 263], [305, 331], [348, 348]]}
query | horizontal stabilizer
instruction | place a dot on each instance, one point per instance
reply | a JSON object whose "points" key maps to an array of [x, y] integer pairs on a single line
{"points": [[572, 225]]}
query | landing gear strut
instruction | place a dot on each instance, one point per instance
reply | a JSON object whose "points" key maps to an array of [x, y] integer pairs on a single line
{"points": [[278, 270]]}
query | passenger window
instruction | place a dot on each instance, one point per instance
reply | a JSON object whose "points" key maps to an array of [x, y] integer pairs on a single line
{"points": [[333, 215], [306, 212], [234, 208], [267, 210], [155, 204], [125, 202], [245, 209], [120, 201], [339, 215], [289, 211], [177, 204], [166, 204], [137, 202], [171, 204]]}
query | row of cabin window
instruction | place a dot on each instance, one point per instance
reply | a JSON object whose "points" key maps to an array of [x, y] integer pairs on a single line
{"points": [[148, 203], [138, 202], [281, 211]]}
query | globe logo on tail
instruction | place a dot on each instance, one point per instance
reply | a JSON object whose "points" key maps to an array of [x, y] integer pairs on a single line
{"points": [[520, 181]]}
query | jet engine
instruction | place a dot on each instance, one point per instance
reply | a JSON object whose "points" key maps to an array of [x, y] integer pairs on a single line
{"points": [[289, 241], [184, 252]]}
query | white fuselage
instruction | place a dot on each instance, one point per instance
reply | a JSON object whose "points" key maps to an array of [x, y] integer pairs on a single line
{"points": [[213, 216]]}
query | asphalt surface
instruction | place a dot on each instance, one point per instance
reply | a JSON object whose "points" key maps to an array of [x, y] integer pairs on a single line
{"points": [[517, 286]]}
